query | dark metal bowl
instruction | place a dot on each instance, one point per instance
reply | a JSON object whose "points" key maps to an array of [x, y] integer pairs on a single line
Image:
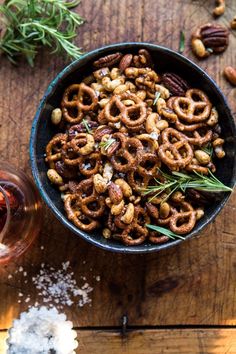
{"points": [[165, 60]]}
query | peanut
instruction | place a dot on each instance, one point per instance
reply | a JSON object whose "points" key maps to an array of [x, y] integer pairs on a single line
{"points": [[213, 119], [164, 210], [54, 177], [177, 197], [106, 233], [202, 157], [199, 213], [230, 74], [199, 48], [56, 116], [219, 151], [233, 23]]}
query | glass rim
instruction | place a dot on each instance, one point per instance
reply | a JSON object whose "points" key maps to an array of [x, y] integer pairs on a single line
{"points": [[5, 227]]}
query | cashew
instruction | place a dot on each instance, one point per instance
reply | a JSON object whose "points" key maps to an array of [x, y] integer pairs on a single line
{"points": [[110, 85], [98, 88], [128, 102], [101, 73], [162, 124], [151, 122], [128, 216], [220, 8], [108, 171], [164, 92], [120, 89], [115, 73], [125, 187], [54, 177], [102, 103], [202, 157], [56, 116], [141, 94], [213, 119], [100, 183], [164, 210], [89, 147], [106, 233], [131, 86], [116, 209], [199, 213]]}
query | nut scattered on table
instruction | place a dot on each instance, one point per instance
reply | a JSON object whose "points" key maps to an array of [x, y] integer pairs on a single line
{"points": [[220, 8], [230, 74], [209, 39], [233, 23]]}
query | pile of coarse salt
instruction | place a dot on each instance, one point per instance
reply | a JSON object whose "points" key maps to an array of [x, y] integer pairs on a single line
{"points": [[59, 286], [42, 331]]}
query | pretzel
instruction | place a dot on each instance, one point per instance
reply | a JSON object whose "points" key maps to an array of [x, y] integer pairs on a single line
{"points": [[69, 156], [80, 128], [93, 160], [137, 181], [149, 165], [54, 148], [125, 159], [75, 215], [149, 144], [157, 238], [83, 144], [175, 155], [73, 105], [136, 232], [92, 206], [198, 139], [187, 108], [165, 109], [187, 213]]}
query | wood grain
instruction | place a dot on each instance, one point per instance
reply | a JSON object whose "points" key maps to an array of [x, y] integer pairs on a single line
{"points": [[186, 341], [194, 283]]}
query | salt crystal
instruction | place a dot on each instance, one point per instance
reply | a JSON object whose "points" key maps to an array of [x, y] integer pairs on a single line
{"points": [[20, 294], [25, 274], [9, 276], [20, 269], [27, 299], [98, 278], [154, 135], [42, 330], [42, 247]]}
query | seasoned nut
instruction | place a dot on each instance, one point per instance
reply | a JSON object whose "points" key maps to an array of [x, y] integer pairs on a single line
{"points": [[101, 73], [125, 62], [213, 119], [164, 210], [141, 94], [110, 85], [202, 157], [106, 233], [152, 211], [108, 171], [143, 59], [162, 124], [108, 202], [128, 102], [56, 116], [101, 131], [120, 89], [220, 8], [199, 48], [125, 187], [116, 209], [214, 38], [217, 144], [100, 183], [175, 84], [102, 103], [233, 23], [128, 216], [131, 87], [230, 74], [199, 213], [137, 200], [115, 73], [164, 92], [54, 177], [115, 193], [108, 60], [177, 197]]}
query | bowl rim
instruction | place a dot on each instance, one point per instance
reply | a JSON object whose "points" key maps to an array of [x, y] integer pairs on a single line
{"points": [[143, 248]]}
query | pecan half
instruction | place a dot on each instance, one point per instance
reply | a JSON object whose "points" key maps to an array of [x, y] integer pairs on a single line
{"points": [[108, 60], [102, 130], [175, 84], [125, 62], [210, 38]]}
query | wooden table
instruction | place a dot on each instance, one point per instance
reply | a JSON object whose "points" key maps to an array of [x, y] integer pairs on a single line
{"points": [[181, 300]]}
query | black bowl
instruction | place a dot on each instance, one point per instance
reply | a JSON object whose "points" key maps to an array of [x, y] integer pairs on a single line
{"points": [[165, 60]]}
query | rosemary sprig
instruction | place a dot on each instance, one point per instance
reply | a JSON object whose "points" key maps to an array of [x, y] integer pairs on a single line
{"points": [[181, 42], [164, 231], [30, 24], [106, 144], [85, 123], [208, 149], [182, 181], [157, 96]]}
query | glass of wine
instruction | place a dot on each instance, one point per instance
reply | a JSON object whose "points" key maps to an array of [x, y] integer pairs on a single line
{"points": [[20, 212]]}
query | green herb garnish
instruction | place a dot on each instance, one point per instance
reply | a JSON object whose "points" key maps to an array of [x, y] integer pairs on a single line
{"points": [[164, 231], [157, 96], [85, 123], [210, 50], [106, 144], [182, 181], [208, 150], [181, 42], [31, 24]]}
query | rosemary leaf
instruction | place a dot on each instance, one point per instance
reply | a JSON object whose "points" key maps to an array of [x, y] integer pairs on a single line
{"points": [[157, 95], [106, 144], [85, 123], [164, 231], [181, 42], [31, 24]]}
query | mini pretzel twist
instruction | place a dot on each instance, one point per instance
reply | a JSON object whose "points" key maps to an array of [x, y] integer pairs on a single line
{"points": [[54, 148], [74, 102], [89, 164], [136, 232], [193, 108], [184, 221], [176, 154]]}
